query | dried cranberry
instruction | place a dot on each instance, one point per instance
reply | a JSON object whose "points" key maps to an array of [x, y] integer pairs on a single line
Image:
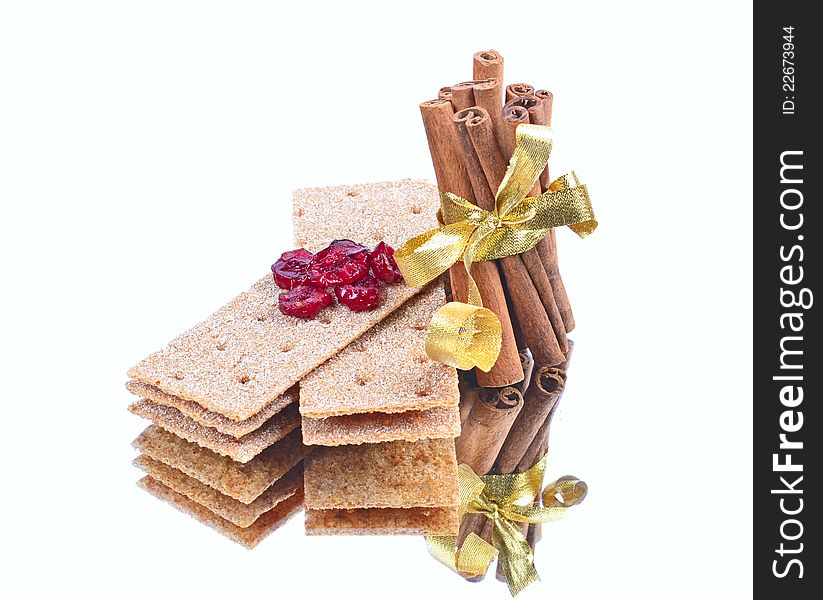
{"points": [[363, 294], [290, 269], [304, 301], [383, 265], [342, 262]]}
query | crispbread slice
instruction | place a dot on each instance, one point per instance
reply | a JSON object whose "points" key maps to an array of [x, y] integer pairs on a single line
{"points": [[212, 419], [240, 449], [386, 475], [413, 425], [245, 536], [383, 521], [243, 482], [386, 370], [248, 353], [242, 515]]}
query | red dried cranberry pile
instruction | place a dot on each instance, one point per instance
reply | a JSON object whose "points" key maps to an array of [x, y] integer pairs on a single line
{"points": [[344, 266]]}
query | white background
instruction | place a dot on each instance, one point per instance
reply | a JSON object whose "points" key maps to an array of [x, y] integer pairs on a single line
{"points": [[147, 155]]}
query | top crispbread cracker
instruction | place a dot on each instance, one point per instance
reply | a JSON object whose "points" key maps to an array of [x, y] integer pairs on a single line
{"points": [[208, 418], [385, 475], [386, 370], [248, 353]]}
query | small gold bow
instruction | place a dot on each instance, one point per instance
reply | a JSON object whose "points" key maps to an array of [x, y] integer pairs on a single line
{"points": [[506, 500], [468, 335]]}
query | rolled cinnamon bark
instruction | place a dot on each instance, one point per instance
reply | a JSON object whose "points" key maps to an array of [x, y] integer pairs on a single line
{"points": [[452, 176], [488, 95], [545, 391], [515, 90], [549, 243], [487, 64], [512, 116], [548, 98], [463, 94], [445, 93], [487, 427], [486, 168], [547, 248], [556, 379]]}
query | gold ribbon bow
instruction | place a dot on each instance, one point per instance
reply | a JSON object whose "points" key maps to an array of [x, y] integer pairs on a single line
{"points": [[468, 335], [506, 500]]}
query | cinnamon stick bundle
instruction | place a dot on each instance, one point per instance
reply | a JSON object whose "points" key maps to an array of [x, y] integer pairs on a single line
{"points": [[452, 176]]}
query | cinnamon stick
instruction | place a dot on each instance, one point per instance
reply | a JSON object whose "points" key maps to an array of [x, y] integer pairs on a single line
{"points": [[514, 90], [486, 167], [445, 93], [543, 394], [547, 248], [487, 427], [549, 243], [488, 95], [463, 94], [452, 176], [484, 431], [487, 64]]}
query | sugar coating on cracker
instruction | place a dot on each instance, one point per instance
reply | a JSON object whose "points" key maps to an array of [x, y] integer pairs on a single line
{"points": [[240, 449], [386, 370], [383, 521], [370, 428], [245, 536], [242, 481], [245, 355], [368, 213], [208, 418], [242, 515], [386, 475]]}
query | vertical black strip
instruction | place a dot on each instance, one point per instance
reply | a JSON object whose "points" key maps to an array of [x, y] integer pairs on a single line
{"points": [[787, 357]]}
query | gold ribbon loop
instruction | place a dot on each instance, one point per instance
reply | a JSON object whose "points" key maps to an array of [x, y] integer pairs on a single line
{"points": [[516, 225], [505, 500]]}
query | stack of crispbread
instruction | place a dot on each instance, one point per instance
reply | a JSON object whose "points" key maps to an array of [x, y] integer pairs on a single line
{"points": [[226, 444], [382, 418]]}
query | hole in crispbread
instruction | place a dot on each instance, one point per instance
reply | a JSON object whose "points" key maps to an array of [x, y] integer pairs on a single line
{"points": [[416, 209], [420, 327], [423, 392], [299, 212], [353, 193], [262, 317], [243, 378], [325, 319], [287, 347], [421, 359], [363, 379], [178, 376]]}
